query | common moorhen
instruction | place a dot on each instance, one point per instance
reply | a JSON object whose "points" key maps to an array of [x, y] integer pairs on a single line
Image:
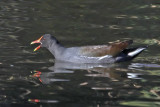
{"points": [[114, 52]]}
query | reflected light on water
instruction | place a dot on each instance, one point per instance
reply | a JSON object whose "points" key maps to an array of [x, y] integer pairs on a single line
{"points": [[42, 101]]}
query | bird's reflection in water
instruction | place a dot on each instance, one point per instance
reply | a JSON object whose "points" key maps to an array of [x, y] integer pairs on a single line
{"points": [[100, 80], [115, 72]]}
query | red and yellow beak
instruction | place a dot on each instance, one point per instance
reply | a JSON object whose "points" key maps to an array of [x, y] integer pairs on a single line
{"points": [[37, 41]]}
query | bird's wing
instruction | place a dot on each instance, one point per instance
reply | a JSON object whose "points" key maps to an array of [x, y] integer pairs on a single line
{"points": [[101, 50]]}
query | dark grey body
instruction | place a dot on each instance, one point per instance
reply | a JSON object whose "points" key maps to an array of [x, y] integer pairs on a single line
{"points": [[73, 55]]}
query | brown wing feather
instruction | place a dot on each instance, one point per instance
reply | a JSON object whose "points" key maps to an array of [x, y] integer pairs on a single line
{"points": [[102, 50]]}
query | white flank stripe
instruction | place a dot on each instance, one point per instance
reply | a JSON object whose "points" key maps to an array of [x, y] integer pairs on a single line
{"points": [[106, 56]]}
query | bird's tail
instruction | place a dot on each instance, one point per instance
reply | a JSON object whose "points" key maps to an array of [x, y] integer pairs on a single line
{"points": [[129, 54]]}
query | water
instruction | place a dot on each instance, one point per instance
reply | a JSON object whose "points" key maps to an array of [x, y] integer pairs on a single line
{"points": [[30, 78]]}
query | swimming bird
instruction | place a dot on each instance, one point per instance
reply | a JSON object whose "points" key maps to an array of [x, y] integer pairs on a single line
{"points": [[111, 53]]}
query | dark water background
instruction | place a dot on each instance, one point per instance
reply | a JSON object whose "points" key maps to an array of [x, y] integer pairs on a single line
{"points": [[34, 79]]}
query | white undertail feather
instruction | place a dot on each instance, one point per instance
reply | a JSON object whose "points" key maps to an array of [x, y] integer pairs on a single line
{"points": [[133, 53]]}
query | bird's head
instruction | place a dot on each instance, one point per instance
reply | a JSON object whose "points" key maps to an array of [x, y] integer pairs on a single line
{"points": [[45, 41]]}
